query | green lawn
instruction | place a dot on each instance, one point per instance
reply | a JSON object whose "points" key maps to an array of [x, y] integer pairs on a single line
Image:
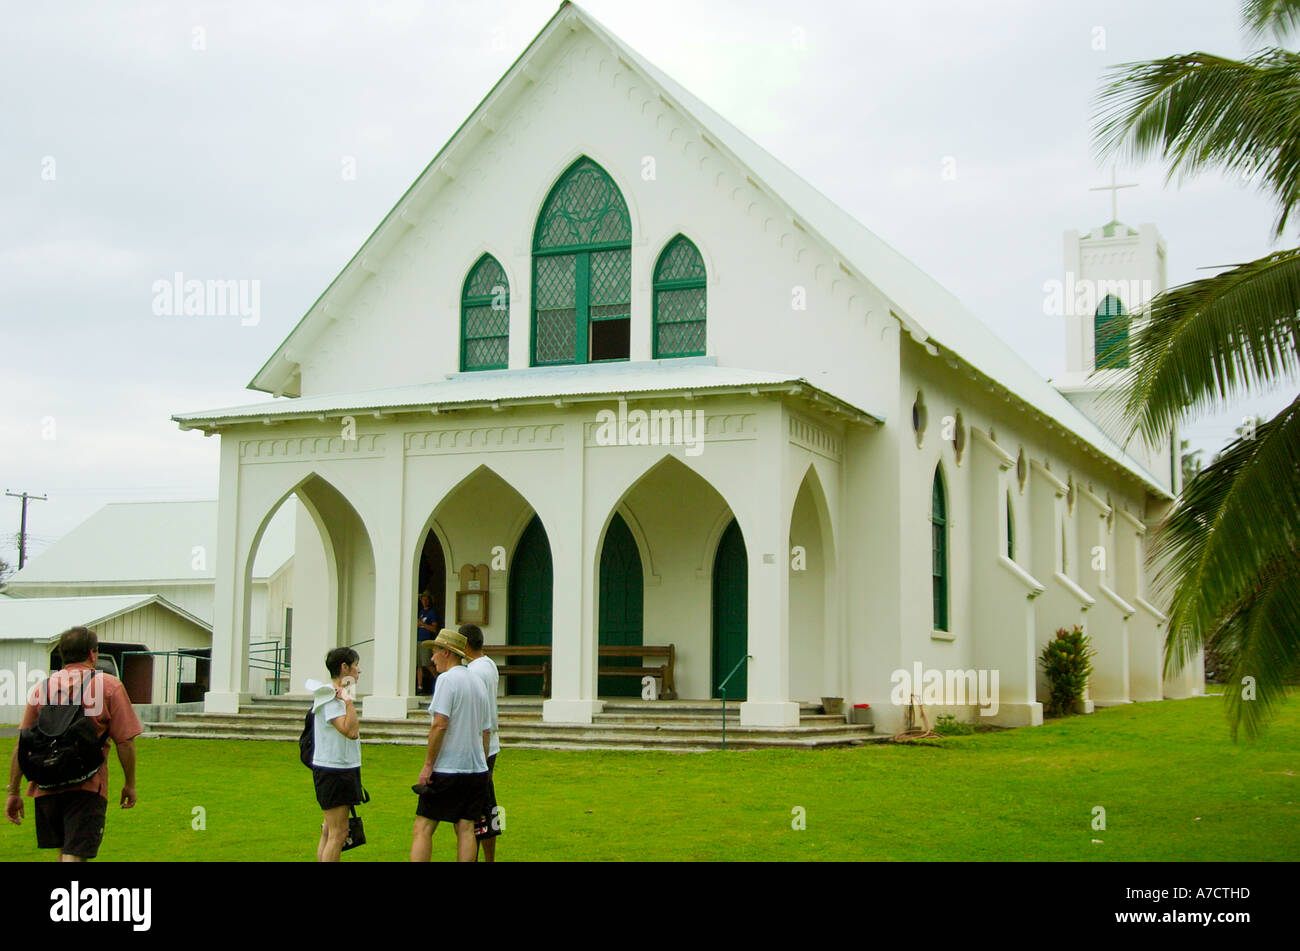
{"points": [[1173, 785]]}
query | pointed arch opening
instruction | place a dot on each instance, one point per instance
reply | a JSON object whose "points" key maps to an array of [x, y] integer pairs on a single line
{"points": [[582, 270], [813, 671], [326, 598], [674, 518], [480, 522]]}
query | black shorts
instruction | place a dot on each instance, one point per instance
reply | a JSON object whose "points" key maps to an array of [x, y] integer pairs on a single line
{"points": [[337, 787], [72, 822], [485, 827], [454, 796]]}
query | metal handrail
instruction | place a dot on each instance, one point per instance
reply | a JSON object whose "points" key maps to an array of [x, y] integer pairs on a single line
{"points": [[278, 667], [722, 689]]}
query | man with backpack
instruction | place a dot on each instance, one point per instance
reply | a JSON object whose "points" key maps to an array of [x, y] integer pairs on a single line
{"points": [[63, 747]]}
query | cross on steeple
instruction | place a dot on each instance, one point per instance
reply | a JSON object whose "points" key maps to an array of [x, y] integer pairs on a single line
{"points": [[1114, 193]]}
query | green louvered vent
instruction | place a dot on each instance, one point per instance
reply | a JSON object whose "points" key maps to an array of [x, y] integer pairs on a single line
{"points": [[1110, 327]]}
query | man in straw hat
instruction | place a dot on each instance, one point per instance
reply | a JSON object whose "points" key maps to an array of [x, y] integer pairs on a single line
{"points": [[453, 782]]}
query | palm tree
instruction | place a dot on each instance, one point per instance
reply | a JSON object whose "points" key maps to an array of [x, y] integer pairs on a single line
{"points": [[1230, 548]]}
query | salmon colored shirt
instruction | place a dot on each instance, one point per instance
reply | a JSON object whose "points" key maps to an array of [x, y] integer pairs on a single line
{"points": [[106, 704]]}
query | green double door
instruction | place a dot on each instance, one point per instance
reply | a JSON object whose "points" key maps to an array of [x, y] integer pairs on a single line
{"points": [[622, 590], [730, 612], [530, 595]]}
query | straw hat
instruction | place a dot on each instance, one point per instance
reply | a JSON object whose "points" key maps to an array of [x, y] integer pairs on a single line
{"points": [[452, 641]]}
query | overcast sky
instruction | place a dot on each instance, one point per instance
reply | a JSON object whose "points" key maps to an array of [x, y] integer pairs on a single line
{"points": [[138, 140]]}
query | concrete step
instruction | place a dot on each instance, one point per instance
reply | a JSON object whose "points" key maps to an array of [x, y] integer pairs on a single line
{"points": [[683, 744], [253, 723]]}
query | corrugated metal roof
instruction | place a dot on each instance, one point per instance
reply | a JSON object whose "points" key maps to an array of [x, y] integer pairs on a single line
{"points": [[482, 388], [128, 542], [27, 619]]}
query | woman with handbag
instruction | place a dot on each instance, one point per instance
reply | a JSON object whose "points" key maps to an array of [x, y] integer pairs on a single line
{"points": [[336, 758]]}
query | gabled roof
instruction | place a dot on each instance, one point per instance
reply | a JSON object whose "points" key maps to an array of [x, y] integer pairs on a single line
{"points": [[44, 619], [926, 310], [582, 382], [146, 542]]}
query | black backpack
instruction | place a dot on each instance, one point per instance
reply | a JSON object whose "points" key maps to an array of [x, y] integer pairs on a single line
{"points": [[62, 748], [307, 739]]}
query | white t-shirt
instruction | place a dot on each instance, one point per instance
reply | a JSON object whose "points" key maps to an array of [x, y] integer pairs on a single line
{"points": [[462, 699], [333, 750], [486, 670]]}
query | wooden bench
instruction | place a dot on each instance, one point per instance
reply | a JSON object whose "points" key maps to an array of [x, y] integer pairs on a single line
{"points": [[540, 655], [534, 669], [664, 671]]}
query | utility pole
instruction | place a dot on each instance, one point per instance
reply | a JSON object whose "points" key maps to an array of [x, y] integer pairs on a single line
{"points": [[22, 530]]}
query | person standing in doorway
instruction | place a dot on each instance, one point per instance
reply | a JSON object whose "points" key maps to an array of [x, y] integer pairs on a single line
{"points": [[426, 629]]}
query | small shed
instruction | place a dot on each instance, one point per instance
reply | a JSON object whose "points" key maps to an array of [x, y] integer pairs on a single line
{"points": [[135, 630]]}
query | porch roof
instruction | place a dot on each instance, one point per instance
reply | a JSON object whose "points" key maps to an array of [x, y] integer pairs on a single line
{"points": [[575, 383]]}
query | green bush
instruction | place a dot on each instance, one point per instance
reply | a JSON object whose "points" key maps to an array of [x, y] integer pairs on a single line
{"points": [[1067, 661], [949, 725]]}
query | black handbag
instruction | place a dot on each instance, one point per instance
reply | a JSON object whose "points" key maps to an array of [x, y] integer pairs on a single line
{"points": [[356, 828]]}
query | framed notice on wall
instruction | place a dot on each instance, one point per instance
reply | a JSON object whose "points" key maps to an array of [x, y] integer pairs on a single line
{"points": [[472, 598]]}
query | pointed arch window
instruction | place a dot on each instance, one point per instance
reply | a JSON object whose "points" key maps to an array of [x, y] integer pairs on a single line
{"points": [[485, 317], [582, 270], [939, 551], [679, 305], [1011, 530], [1110, 334]]}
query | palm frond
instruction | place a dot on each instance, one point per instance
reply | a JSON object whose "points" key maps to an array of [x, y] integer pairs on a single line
{"points": [[1199, 111], [1263, 647], [1203, 345], [1276, 17], [1230, 550]]}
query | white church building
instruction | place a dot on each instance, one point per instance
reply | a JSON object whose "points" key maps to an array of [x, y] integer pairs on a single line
{"points": [[664, 392]]}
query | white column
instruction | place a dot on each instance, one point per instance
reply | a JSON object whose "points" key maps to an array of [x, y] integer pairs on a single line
{"points": [[229, 622], [766, 529], [573, 613], [394, 603]]}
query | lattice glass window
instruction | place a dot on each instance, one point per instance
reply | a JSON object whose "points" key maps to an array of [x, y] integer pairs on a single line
{"points": [[582, 270], [485, 317], [679, 309], [1110, 331], [939, 551]]}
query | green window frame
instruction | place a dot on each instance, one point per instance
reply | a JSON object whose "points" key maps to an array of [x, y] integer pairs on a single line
{"points": [[1011, 530], [582, 271], [680, 301], [939, 551], [1110, 335], [485, 317]]}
